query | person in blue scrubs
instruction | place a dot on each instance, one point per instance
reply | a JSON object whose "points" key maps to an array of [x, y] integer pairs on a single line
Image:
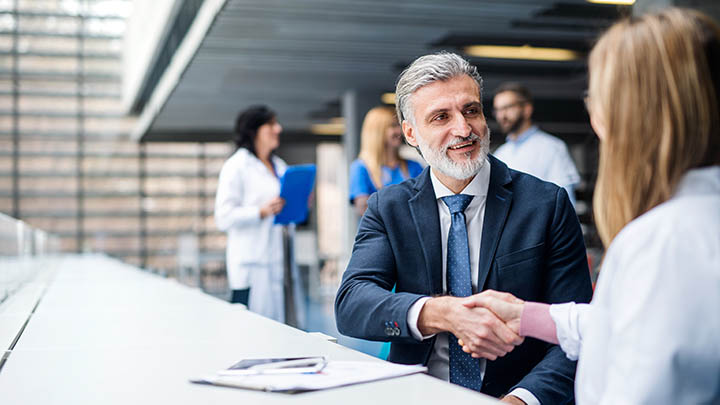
{"points": [[379, 163]]}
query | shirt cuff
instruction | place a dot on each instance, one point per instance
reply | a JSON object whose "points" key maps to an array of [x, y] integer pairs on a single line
{"points": [[412, 318], [525, 395], [536, 322], [567, 318]]}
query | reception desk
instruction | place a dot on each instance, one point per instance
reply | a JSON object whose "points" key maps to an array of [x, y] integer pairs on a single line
{"points": [[92, 330]]}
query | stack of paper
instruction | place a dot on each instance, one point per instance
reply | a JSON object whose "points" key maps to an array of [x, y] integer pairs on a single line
{"points": [[335, 374]]}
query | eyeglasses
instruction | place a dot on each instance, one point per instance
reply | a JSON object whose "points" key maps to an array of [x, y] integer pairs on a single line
{"points": [[586, 100], [498, 110]]}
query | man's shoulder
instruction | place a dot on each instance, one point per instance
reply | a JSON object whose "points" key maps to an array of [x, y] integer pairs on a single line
{"points": [[530, 190], [546, 139]]}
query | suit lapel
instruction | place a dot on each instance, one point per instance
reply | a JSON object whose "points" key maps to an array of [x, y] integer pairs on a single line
{"points": [[424, 213], [497, 207]]}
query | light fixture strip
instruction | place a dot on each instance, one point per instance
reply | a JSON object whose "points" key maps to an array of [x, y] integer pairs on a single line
{"points": [[526, 52]]}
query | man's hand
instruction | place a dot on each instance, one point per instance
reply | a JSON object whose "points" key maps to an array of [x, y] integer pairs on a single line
{"points": [[503, 305], [478, 328]]}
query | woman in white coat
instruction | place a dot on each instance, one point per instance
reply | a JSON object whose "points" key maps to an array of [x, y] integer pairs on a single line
{"points": [[651, 334], [245, 205]]}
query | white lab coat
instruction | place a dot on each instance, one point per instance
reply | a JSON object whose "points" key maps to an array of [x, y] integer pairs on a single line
{"points": [[651, 334], [254, 255]]}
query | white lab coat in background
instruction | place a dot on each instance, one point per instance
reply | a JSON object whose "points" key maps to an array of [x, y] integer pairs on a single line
{"points": [[254, 253], [651, 334]]}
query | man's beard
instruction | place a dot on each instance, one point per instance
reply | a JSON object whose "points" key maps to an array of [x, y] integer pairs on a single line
{"points": [[513, 126], [439, 160]]}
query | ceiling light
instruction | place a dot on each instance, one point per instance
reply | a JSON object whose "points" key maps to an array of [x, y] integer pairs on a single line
{"points": [[334, 126], [522, 52], [619, 2], [388, 98]]}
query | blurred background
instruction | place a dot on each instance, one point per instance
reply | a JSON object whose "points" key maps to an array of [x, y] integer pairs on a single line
{"points": [[116, 115]]}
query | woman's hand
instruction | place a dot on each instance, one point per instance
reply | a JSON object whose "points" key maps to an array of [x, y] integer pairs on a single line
{"points": [[504, 305], [272, 207]]}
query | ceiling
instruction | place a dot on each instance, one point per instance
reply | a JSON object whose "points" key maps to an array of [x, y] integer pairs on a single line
{"points": [[299, 57]]}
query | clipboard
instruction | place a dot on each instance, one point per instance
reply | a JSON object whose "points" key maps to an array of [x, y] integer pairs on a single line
{"points": [[295, 187]]}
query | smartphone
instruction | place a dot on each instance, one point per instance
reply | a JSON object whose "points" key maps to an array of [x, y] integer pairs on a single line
{"points": [[277, 365]]}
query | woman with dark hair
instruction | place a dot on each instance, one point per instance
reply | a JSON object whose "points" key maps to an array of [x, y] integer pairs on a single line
{"points": [[247, 200]]}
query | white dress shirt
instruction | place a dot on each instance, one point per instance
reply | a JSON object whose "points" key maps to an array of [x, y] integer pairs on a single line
{"points": [[439, 362], [542, 155], [651, 334]]}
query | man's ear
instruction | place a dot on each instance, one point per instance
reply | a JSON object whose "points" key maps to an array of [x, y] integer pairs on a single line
{"points": [[528, 111], [409, 133]]}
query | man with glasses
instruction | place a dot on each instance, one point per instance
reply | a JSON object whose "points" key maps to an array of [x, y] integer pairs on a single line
{"points": [[528, 149]]}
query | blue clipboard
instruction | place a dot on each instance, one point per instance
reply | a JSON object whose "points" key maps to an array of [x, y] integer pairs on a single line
{"points": [[295, 187]]}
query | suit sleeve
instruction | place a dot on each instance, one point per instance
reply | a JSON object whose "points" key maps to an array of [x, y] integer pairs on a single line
{"points": [[567, 279], [365, 306]]}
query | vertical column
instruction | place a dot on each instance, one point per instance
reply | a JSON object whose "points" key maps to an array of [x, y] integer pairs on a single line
{"points": [[15, 114], [80, 139], [355, 104], [142, 191], [202, 197]]}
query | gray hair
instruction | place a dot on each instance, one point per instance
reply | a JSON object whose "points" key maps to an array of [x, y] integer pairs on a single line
{"points": [[426, 70]]}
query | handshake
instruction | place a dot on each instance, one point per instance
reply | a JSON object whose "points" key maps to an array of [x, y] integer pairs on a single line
{"points": [[486, 324]]}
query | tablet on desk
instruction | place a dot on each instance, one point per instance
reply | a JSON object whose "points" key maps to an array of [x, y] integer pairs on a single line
{"points": [[277, 365]]}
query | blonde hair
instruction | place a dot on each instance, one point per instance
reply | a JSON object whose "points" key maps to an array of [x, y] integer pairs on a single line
{"points": [[654, 87], [372, 142]]}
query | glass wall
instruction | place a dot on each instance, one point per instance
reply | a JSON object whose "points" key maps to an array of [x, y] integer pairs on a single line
{"points": [[23, 250]]}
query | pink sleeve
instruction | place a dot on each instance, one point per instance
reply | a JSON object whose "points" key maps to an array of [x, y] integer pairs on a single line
{"points": [[536, 322]]}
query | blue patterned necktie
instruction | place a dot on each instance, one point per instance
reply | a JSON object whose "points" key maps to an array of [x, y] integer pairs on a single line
{"points": [[464, 370]]}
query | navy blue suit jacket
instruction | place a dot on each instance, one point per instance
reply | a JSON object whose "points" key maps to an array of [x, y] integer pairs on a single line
{"points": [[532, 247]]}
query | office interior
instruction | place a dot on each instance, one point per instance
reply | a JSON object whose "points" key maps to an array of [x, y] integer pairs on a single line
{"points": [[116, 117]]}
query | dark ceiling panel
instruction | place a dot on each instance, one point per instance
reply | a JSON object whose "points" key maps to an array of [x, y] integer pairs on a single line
{"points": [[300, 57]]}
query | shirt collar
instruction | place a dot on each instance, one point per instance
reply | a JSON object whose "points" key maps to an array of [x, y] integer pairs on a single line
{"points": [[477, 187], [523, 136]]}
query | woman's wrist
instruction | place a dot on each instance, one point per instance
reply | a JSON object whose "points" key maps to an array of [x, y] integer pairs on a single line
{"points": [[536, 322]]}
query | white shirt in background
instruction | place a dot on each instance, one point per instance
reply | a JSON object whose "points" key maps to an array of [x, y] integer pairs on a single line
{"points": [[543, 156]]}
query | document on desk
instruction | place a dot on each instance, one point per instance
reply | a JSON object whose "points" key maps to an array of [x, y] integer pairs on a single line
{"points": [[334, 374]]}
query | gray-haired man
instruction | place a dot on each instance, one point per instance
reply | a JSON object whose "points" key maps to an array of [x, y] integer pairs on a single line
{"points": [[466, 224]]}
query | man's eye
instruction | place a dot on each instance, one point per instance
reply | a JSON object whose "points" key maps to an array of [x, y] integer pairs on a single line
{"points": [[472, 111], [439, 117]]}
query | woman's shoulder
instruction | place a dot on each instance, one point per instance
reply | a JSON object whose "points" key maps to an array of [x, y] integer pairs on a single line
{"points": [[358, 168], [358, 164], [678, 230], [240, 156]]}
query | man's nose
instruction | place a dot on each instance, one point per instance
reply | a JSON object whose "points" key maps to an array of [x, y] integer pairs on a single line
{"points": [[460, 126]]}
